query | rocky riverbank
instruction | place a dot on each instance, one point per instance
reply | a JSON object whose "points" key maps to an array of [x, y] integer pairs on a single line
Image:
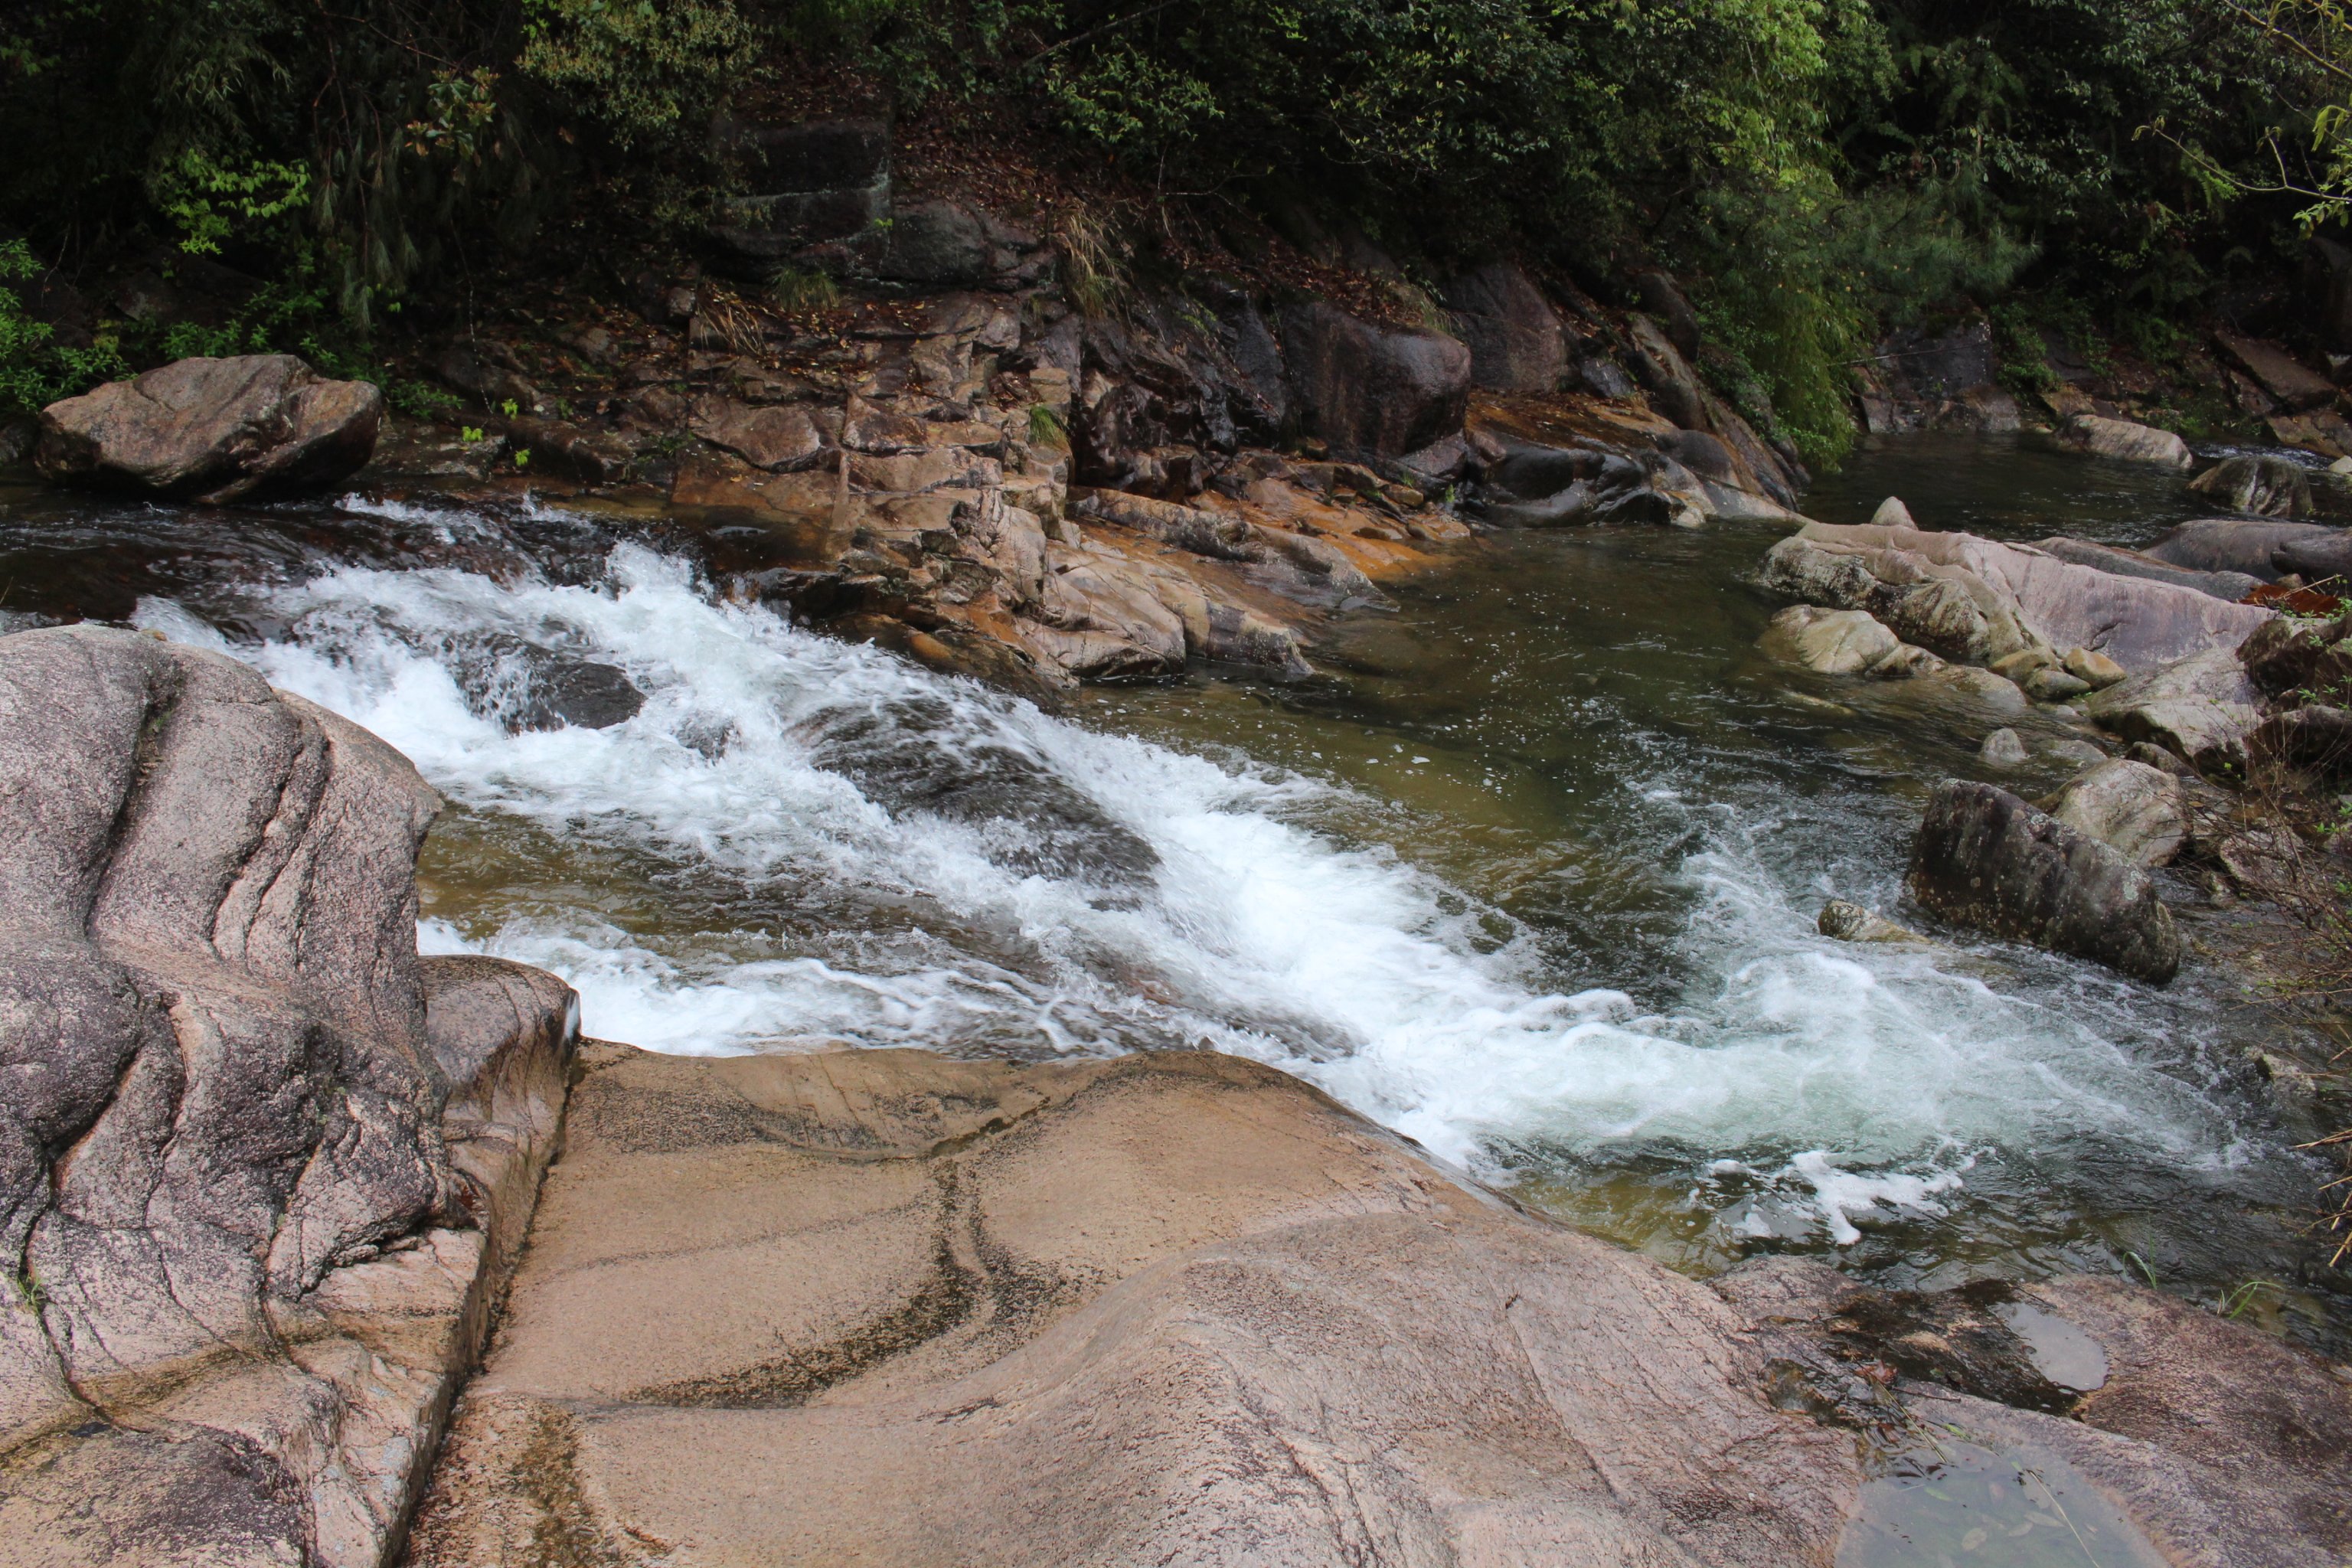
{"points": [[276, 1172], [270, 1172]]}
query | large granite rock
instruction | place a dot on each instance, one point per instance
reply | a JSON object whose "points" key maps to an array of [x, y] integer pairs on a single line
{"points": [[1513, 333], [261, 1168], [2297, 653], [2138, 810], [1370, 389], [883, 1306], [1985, 858], [2316, 558], [2239, 544], [2199, 708], [1977, 600], [213, 429], [2230, 585]]}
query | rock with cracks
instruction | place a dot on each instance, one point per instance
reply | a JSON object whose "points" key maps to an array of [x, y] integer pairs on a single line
{"points": [[214, 430], [261, 1167], [1977, 600], [1171, 1307], [1985, 858]]}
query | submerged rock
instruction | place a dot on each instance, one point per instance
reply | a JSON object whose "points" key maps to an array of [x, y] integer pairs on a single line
{"points": [[214, 430], [2003, 748], [2220, 1446], [2122, 440], [1834, 642], [2267, 486], [2138, 810], [925, 1311], [1852, 923], [1985, 858], [262, 1169]]}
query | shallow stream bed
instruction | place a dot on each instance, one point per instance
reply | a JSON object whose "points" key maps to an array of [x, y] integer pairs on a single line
{"points": [[1530, 874]]}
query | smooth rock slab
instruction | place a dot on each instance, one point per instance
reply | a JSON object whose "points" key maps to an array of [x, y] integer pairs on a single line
{"points": [[1985, 858], [889, 1308], [1978, 600]]}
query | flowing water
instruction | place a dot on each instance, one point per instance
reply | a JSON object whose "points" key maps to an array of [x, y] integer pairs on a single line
{"points": [[1530, 874]]}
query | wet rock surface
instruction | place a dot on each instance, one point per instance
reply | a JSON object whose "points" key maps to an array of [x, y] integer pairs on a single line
{"points": [[2213, 1444], [263, 1166], [1985, 858], [1112, 1311]]}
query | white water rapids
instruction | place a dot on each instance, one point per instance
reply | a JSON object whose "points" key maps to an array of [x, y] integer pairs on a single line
{"points": [[995, 878]]}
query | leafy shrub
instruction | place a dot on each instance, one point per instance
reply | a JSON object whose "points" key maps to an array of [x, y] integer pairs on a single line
{"points": [[35, 370]]}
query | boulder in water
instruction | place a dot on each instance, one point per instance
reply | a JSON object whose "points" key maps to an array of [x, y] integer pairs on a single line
{"points": [[1852, 923], [1834, 642], [214, 430], [2004, 748], [2267, 486], [2316, 558], [2235, 545], [2124, 440], [262, 1169], [1985, 858], [2139, 810], [1977, 600]]}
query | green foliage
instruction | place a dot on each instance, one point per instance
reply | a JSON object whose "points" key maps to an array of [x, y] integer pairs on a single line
{"points": [[35, 370], [423, 400], [209, 203], [1045, 427], [636, 65]]}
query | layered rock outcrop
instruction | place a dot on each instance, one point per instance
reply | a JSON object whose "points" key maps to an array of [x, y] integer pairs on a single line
{"points": [[261, 1168]]}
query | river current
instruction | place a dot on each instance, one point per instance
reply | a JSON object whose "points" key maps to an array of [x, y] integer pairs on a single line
{"points": [[1529, 874]]}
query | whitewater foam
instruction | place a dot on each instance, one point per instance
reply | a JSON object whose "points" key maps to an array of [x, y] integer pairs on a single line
{"points": [[994, 878]]}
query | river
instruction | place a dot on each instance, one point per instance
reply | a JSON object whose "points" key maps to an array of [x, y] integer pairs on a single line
{"points": [[1529, 874]]}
